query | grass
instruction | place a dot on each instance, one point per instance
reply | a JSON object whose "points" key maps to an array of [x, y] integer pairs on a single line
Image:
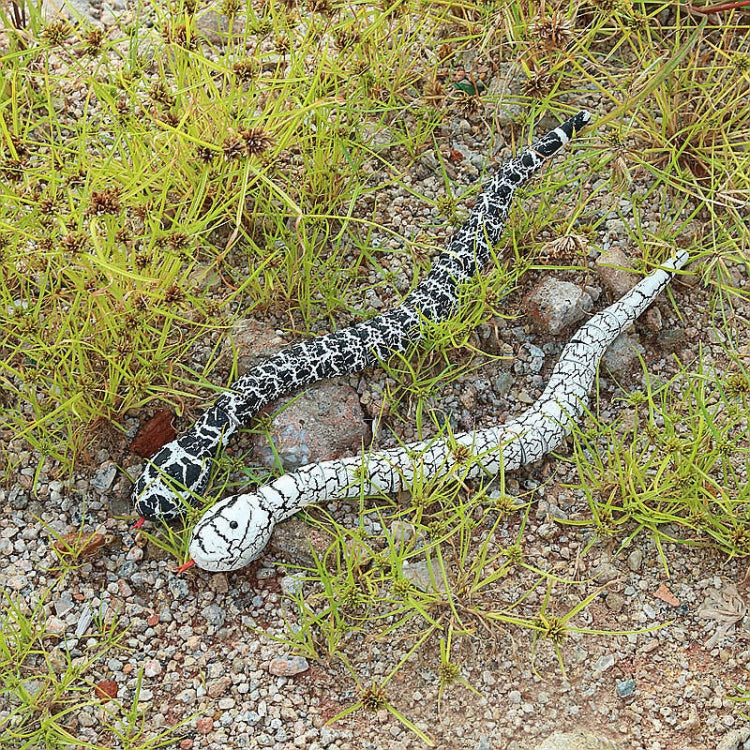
{"points": [[157, 185]]}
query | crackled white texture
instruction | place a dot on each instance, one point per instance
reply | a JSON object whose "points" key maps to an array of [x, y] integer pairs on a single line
{"points": [[235, 530], [179, 470]]}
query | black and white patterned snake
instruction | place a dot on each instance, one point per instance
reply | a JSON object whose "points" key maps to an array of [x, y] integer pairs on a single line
{"points": [[180, 470]]}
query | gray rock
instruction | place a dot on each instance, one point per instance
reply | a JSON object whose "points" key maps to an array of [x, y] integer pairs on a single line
{"points": [[402, 531], [503, 383], [621, 356], [252, 341], [324, 422], [288, 666], [293, 584], [104, 477], [580, 740], [214, 615], [604, 662], [547, 530], [610, 267], [555, 305], [625, 688], [297, 542], [733, 739], [418, 574], [179, 589], [70, 9], [635, 559]]}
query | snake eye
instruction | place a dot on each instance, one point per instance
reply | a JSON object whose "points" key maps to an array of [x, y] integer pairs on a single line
{"points": [[233, 524]]}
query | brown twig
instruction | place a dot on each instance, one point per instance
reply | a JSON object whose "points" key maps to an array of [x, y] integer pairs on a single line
{"points": [[719, 8]]}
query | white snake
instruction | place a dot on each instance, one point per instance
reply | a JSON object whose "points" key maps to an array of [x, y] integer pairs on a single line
{"points": [[235, 530]]}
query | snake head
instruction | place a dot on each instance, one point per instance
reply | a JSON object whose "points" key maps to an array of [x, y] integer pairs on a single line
{"points": [[232, 533]]}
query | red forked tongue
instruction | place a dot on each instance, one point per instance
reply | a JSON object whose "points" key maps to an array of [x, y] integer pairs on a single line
{"points": [[185, 566], [137, 525]]}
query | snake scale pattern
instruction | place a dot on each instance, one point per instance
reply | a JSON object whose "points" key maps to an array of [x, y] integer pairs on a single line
{"points": [[180, 470], [235, 530]]}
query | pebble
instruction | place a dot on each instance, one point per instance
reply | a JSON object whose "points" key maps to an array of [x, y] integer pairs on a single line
{"points": [[179, 589], [604, 662], [204, 725], [615, 280], [419, 574], [547, 530], [152, 668], [635, 559], [103, 478], [606, 572], [622, 355], [55, 626], [288, 666], [625, 688], [187, 696], [293, 584], [64, 604]]}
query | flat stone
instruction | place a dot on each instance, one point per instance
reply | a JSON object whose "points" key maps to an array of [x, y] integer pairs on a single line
{"points": [[418, 574], [288, 666], [64, 604], [635, 559], [103, 478], [215, 27]]}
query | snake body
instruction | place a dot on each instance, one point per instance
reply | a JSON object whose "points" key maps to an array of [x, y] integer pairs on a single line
{"points": [[181, 468], [235, 530]]}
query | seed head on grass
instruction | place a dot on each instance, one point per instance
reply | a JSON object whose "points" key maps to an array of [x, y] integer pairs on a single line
{"points": [[105, 201], [160, 93], [401, 587], [282, 44], [178, 241], [74, 242], [346, 38], [56, 33], [205, 154], [433, 93], [538, 85], [179, 35], [245, 70], [256, 141], [448, 672], [174, 294], [93, 41], [551, 32], [232, 148], [320, 6], [467, 105], [741, 62], [373, 698], [230, 8], [737, 384]]}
